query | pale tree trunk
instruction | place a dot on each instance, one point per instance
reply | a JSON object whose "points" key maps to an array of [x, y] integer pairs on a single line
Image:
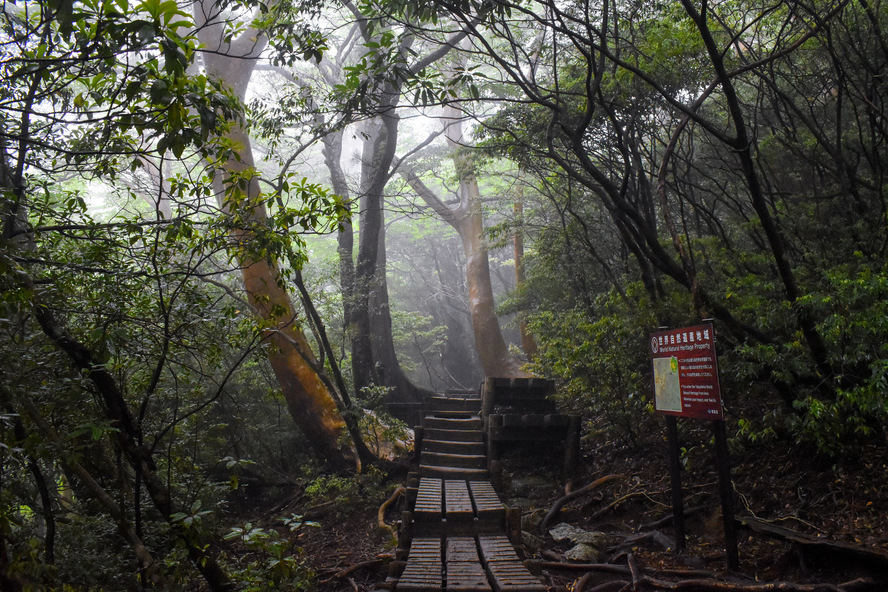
{"points": [[527, 342], [467, 220], [309, 401]]}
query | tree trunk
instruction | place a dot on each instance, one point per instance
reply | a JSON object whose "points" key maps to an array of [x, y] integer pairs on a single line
{"points": [[374, 360], [527, 342], [388, 368], [309, 402], [466, 219], [492, 349]]}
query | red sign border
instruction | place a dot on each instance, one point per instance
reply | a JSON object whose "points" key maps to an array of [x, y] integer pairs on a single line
{"points": [[716, 410]]}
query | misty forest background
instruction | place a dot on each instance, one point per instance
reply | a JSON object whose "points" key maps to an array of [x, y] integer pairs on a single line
{"points": [[233, 230]]}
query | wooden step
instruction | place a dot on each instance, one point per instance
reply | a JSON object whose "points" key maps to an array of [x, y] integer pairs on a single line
{"points": [[429, 505], [425, 550], [452, 423], [444, 459], [465, 576], [451, 414], [509, 576], [487, 504], [453, 473], [497, 548], [424, 570], [463, 404], [503, 567], [461, 549], [457, 502], [472, 448], [453, 435]]}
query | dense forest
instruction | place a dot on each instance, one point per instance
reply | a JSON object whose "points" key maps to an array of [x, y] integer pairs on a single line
{"points": [[236, 234]]}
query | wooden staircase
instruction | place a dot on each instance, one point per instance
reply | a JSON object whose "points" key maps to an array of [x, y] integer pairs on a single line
{"points": [[455, 536]]}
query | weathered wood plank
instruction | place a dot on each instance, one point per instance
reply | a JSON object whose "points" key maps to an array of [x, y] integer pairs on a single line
{"points": [[424, 571], [429, 501], [474, 448], [421, 577], [466, 577], [460, 549], [512, 576], [452, 423], [487, 504], [453, 435], [497, 548], [454, 473], [449, 459], [425, 550], [457, 501]]}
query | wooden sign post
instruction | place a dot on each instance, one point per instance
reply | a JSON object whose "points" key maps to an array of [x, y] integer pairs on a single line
{"points": [[686, 385]]}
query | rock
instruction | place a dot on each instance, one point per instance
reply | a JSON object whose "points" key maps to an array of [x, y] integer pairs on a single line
{"points": [[531, 542], [583, 552], [532, 520], [566, 532]]}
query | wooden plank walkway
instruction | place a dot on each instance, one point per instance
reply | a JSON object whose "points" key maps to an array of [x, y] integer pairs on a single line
{"points": [[458, 522]]}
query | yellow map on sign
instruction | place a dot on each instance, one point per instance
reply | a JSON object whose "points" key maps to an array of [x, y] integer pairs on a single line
{"points": [[667, 396]]}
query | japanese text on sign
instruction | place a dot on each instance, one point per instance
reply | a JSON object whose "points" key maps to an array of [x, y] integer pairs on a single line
{"points": [[685, 373]]}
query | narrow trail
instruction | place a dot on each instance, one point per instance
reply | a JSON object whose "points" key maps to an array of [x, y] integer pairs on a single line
{"points": [[456, 535]]}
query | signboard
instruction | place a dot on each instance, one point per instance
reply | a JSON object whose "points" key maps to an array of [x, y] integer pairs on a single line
{"points": [[685, 373]]}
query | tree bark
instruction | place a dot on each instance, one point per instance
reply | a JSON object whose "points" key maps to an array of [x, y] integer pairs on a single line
{"points": [[308, 400], [466, 219], [527, 342]]}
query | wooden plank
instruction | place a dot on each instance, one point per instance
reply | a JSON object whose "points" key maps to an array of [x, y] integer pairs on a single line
{"points": [[512, 576], [463, 571], [505, 570], [453, 435], [460, 549], [835, 550], [457, 501], [496, 548], [454, 447], [421, 577], [452, 423], [424, 571], [425, 550], [487, 504], [429, 501], [466, 576], [454, 473], [450, 459]]}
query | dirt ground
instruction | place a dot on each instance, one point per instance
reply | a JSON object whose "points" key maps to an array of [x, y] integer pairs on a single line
{"points": [[843, 501]]}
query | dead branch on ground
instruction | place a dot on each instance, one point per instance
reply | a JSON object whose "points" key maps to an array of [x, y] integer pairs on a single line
{"points": [[556, 507]]}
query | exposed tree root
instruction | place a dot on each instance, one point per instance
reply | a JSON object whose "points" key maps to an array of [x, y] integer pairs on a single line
{"points": [[556, 507], [380, 514]]}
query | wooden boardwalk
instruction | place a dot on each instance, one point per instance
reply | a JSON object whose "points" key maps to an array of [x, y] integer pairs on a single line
{"points": [[456, 531]]}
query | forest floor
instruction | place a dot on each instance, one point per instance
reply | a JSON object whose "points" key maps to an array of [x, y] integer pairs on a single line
{"points": [[838, 501]]}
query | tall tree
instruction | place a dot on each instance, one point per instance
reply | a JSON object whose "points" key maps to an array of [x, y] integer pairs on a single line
{"points": [[372, 97], [466, 218], [231, 61]]}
